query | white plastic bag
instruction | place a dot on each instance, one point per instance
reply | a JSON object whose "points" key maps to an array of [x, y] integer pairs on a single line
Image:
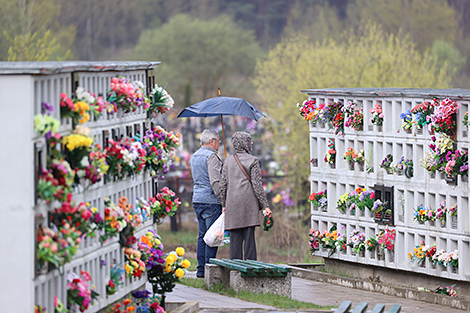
{"points": [[214, 236]]}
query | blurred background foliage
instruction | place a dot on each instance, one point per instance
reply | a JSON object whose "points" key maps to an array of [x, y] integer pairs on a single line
{"points": [[263, 50]]}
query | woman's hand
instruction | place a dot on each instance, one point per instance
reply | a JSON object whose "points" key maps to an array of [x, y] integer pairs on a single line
{"points": [[268, 212], [223, 210]]}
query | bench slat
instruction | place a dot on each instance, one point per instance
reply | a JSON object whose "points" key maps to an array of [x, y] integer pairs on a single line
{"points": [[232, 265], [270, 266], [396, 308], [257, 269], [378, 308], [360, 308], [344, 307]]}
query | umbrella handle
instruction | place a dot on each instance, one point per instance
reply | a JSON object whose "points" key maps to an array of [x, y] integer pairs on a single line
{"points": [[223, 134]]}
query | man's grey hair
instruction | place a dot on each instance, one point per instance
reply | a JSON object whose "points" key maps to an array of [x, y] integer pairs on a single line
{"points": [[207, 135]]}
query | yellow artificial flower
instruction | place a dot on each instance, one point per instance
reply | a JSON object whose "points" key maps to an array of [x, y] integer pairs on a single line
{"points": [[179, 251], [179, 273], [170, 260], [185, 263], [157, 242]]}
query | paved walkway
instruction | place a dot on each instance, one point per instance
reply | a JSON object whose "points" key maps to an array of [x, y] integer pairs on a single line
{"points": [[303, 290]]}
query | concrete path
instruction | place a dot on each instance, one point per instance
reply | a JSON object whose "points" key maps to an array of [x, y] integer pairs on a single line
{"points": [[303, 290]]}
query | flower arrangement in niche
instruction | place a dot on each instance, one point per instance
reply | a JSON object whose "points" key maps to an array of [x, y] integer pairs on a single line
{"points": [[386, 238], [418, 256], [78, 110], [160, 101], [133, 264], [114, 220], [405, 166], [465, 120], [97, 167], [422, 112], [350, 156], [354, 116], [444, 118], [331, 115], [56, 182], [330, 156], [319, 199], [387, 164], [77, 148], [379, 206], [453, 210], [115, 279], [160, 147], [123, 95], [162, 204], [314, 241], [407, 120], [357, 241], [371, 243], [80, 291], [341, 242], [343, 203], [377, 115], [422, 214], [309, 111], [441, 212]]}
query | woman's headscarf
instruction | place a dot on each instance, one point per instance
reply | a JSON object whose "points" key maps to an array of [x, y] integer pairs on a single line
{"points": [[241, 142]]}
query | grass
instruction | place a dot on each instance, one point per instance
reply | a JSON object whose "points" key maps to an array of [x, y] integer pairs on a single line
{"points": [[277, 301]]}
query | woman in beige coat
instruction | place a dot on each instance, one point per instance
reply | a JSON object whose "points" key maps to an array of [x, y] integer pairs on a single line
{"points": [[242, 196]]}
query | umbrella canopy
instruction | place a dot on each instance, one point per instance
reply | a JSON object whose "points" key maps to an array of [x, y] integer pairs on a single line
{"points": [[220, 106]]}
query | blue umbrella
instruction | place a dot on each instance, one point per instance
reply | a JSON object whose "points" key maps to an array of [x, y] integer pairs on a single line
{"points": [[222, 106]]}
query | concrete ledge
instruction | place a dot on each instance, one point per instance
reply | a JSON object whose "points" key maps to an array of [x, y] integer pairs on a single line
{"points": [[182, 307], [414, 294]]}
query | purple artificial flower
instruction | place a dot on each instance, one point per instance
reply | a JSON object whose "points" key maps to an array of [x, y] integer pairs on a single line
{"points": [[464, 168], [140, 294], [47, 108], [102, 262]]}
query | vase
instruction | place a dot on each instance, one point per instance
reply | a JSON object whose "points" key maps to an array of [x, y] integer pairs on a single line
{"points": [[420, 222], [314, 124], [343, 252], [391, 256], [74, 308], [378, 216], [400, 172], [324, 208], [362, 253], [372, 254], [408, 131], [409, 172], [419, 131], [422, 263], [380, 254], [351, 166], [432, 265], [315, 208], [361, 166], [432, 174], [451, 180], [389, 170], [464, 178], [360, 213], [42, 268], [443, 223], [333, 165], [442, 176], [380, 128], [454, 269], [432, 223], [453, 222], [353, 253]]}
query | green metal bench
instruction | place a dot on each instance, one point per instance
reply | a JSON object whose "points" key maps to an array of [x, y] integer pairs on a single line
{"points": [[253, 268], [361, 307]]}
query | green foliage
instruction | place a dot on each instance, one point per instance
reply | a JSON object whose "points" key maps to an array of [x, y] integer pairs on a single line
{"points": [[370, 59], [206, 53], [423, 20], [31, 48], [446, 52]]}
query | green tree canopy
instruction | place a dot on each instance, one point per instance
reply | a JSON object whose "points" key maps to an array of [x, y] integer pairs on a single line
{"points": [[372, 59], [209, 54]]}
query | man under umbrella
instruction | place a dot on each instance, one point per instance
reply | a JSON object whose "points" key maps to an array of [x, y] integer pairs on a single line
{"points": [[206, 167]]}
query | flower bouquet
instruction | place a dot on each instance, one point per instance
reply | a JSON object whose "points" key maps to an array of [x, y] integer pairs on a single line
{"points": [[387, 164], [46, 125], [78, 109], [314, 241], [97, 166], [364, 199], [151, 248], [47, 247], [422, 111], [371, 243], [355, 116], [465, 120], [357, 242], [57, 245], [309, 111], [453, 210], [404, 166], [328, 240], [418, 256], [160, 101], [441, 212], [343, 203], [332, 116], [407, 121], [444, 118], [77, 149], [126, 235], [133, 265], [114, 220], [386, 238], [341, 242], [80, 291], [56, 182], [162, 205], [330, 156], [160, 147], [115, 279], [123, 95], [447, 290], [378, 206], [350, 157], [163, 278], [319, 199], [429, 252], [457, 163], [422, 215], [377, 115]]}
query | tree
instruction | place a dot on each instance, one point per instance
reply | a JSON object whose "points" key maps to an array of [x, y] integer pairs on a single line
{"points": [[209, 54], [424, 20], [31, 48], [370, 59]]}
